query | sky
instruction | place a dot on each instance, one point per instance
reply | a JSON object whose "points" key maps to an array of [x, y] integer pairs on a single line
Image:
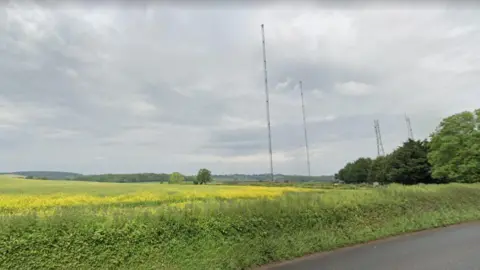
{"points": [[158, 87]]}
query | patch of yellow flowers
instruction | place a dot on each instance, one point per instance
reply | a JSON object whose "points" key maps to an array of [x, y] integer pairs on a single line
{"points": [[13, 203]]}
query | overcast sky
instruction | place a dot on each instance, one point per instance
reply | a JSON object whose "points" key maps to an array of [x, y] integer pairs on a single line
{"points": [[150, 88]]}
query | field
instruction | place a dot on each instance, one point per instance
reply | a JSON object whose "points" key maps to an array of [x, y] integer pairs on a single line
{"points": [[84, 225], [20, 196]]}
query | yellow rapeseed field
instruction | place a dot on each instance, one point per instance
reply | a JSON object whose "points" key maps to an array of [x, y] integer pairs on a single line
{"points": [[21, 195]]}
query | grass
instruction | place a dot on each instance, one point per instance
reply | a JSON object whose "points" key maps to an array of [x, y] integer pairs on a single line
{"points": [[214, 231]]}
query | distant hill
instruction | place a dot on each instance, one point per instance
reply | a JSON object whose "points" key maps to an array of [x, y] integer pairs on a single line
{"points": [[52, 175]]}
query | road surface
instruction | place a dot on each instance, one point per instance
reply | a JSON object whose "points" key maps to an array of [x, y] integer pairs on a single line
{"points": [[453, 248]]}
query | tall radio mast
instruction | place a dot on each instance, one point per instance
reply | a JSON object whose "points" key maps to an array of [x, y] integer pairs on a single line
{"points": [[267, 104], [380, 150], [305, 129]]}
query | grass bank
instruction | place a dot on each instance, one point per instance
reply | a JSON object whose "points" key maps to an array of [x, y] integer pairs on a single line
{"points": [[232, 234]]}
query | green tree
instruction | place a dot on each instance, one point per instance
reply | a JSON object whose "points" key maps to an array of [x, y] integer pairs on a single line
{"points": [[176, 178], [343, 173], [355, 172], [455, 148], [204, 176], [409, 165], [361, 169], [379, 170]]}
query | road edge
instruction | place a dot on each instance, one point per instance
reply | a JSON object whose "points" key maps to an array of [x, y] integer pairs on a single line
{"points": [[321, 254]]}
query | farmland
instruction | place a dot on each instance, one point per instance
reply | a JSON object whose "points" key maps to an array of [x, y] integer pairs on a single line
{"points": [[25, 196], [83, 225]]}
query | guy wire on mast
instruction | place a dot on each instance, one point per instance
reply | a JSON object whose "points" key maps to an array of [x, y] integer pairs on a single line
{"points": [[305, 128], [267, 104]]}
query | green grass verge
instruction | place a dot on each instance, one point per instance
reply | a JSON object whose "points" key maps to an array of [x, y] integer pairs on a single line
{"points": [[228, 235]]}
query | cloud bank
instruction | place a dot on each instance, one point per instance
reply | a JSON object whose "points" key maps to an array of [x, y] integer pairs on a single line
{"points": [[125, 88]]}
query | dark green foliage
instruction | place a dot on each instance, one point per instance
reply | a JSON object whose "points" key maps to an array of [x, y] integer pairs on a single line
{"points": [[408, 164], [204, 176], [360, 170], [355, 172], [452, 155], [455, 148], [379, 170]]}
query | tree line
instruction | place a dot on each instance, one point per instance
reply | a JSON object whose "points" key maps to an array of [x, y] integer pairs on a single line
{"points": [[450, 154], [203, 176], [125, 178]]}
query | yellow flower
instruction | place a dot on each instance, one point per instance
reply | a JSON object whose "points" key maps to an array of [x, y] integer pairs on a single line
{"points": [[138, 196]]}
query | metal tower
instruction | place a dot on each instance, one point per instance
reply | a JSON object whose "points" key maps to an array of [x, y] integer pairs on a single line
{"points": [[305, 129], [380, 150], [409, 127], [267, 103]]}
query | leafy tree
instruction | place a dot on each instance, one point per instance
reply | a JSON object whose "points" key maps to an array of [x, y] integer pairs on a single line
{"points": [[455, 148], [409, 165], [355, 172], [204, 176], [342, 174], [360, 170], [379, 170], [176, 178]]}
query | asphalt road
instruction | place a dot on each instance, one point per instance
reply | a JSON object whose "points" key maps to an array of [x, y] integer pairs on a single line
{"points": [[453, 248]]}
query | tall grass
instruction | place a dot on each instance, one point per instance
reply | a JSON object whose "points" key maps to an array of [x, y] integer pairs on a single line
{"points": [[226, 234]]}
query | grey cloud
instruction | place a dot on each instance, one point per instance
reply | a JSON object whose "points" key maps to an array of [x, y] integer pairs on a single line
{"points": [[201, 108], [163, 89], [289, 137], [320, 75]]}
